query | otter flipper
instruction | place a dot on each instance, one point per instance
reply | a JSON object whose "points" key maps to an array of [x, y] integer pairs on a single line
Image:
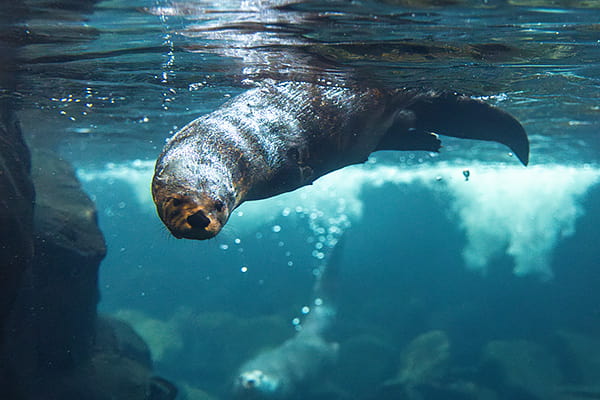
{"points": [[409, 139], [455, 115]]}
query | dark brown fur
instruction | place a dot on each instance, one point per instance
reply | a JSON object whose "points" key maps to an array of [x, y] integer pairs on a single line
{"points": [[278, 138]]}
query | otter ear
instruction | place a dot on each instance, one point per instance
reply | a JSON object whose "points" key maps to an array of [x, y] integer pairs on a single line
{"points": [[460, 116]]}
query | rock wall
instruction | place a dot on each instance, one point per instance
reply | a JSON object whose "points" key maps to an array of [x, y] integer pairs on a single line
{"points": [[68, 250], [52, 343], [16, 192]]}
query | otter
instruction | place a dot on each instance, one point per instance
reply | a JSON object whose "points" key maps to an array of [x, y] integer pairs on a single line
{"points": [[300, 365], [294, 366], [279, 137]]}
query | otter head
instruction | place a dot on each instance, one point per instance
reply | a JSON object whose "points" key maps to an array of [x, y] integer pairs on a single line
{"points": [[194, 198], [256, 384]]}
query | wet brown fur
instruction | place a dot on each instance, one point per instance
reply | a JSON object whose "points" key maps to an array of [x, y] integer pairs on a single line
{"points": [[277, 138]]}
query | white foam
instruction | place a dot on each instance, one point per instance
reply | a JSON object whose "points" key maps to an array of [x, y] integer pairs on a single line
{"points": [[522, 212], [137, 174]]}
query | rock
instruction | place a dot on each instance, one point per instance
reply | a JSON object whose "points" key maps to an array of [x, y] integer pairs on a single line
{"points": [[423, 367], [163, 337], [68, 249], [116, 336], [365, 362], [425, 359], [525, 367], [52, 325], [16, 210], [16, 189], [16, 228], [119, 368], [581, 357], [16, 195], [190, 392]]}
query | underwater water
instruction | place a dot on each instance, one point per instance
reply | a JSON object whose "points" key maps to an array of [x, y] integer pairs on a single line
{"points": [[446, 285]]}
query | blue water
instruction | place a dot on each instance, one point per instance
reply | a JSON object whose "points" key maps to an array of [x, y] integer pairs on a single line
{"points": [[506, 264]]}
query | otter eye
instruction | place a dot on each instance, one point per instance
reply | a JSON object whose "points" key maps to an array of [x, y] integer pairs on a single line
{"points": [[219, 206], [176, 202]]}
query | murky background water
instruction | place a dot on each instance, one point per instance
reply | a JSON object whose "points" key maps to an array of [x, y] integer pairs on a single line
{"points": [[496, 275]]}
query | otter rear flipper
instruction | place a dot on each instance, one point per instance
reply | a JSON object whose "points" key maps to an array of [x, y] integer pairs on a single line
{"points": [[456, 115], [409, 139]]}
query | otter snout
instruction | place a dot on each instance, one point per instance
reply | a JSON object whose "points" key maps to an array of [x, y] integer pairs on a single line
{"points": [[198, 220], [192, 218]]}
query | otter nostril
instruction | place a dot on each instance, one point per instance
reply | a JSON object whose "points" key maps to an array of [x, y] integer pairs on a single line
{"points": [[198, 220]]}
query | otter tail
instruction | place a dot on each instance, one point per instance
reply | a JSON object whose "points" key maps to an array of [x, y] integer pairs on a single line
{"points": [[422, 114]]}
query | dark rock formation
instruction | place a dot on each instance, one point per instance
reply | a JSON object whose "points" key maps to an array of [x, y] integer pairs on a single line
{"points": [[16, 208], [59, 348], [16, 194], [16, 190], [52, 344], [68, 249], [51, 328], [118, 368]]}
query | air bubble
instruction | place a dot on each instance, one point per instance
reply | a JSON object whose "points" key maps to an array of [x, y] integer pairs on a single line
{"points": [[224, 247], [276, 228], [305, 310], [244, 269], [296, 321]]}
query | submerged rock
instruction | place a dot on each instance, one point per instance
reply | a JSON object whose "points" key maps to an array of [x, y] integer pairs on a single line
{"points": [[68, 249], [16, 209], [119, 368], [189, 392], [580, 362], [16, 189], [162, 337], [525, 368], [424, 373], [59, 348], [118, 337], [365, 362], [16, 224], [425, 359], [51, 328]]}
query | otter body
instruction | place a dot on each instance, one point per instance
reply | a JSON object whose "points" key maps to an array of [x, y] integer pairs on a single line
{"points": [[297, 366], [277, 138]]}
